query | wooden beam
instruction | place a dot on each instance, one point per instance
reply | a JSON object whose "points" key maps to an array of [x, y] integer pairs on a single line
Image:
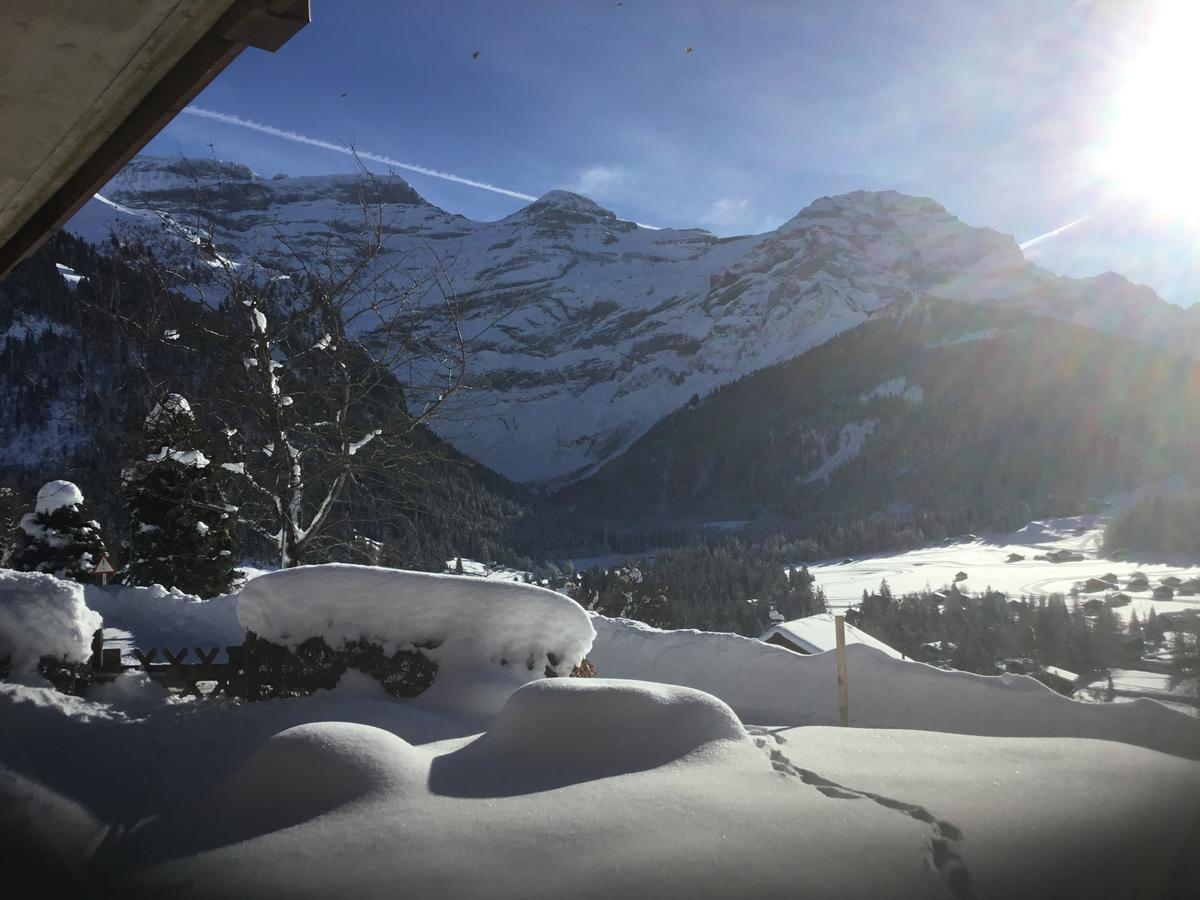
{"points": [[266, 24], [839, 624]]}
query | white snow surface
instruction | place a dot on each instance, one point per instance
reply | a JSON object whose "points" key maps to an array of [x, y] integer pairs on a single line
{"points": [[984, 559], [851, 440], [55, 495], [145, 617], [771, 685], [472, 621], [897, 387], [41, 615], [625, 786]]}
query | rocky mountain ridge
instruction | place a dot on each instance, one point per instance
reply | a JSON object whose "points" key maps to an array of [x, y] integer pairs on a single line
{"points": [[589, 329]]}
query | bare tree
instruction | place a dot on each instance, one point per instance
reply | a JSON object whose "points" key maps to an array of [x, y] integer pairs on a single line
{"points": [[331, 352]]}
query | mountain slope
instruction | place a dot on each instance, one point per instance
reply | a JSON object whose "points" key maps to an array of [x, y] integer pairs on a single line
{"points": [[589, 329], [979, 416]]}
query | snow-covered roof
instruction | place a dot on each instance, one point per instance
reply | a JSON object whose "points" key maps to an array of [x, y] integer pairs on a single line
{"points": [[1060, 673], [816, 634]]}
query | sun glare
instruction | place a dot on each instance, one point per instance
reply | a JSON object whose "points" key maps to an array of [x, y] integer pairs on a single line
{"points": [[1153, 151]]}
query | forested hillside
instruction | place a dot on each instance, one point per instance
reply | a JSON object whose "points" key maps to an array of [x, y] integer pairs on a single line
{"points": [[75, 387], [947, 418]]}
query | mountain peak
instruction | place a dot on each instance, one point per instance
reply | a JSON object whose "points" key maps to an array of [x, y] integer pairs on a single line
{"points": [[571, 202], [869, 203]]}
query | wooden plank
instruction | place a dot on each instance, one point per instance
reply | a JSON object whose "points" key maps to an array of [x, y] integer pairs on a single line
{"points": [[839, 623]]}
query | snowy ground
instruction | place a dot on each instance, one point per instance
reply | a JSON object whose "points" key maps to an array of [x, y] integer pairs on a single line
{"points": [[984, 561], [701, 766]]}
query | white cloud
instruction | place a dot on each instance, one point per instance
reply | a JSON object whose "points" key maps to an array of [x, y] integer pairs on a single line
{"points": [[600, 180], [727, 212]]}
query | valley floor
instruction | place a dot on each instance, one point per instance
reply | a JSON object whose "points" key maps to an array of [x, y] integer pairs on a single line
{"points": [[984, 560]]}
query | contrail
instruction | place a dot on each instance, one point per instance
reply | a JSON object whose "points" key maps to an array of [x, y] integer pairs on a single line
{"points": [[1033, 242], [297, 138]]}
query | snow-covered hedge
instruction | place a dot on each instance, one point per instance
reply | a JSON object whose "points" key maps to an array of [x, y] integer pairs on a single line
{"points": [[41, 615], [467, 621]]}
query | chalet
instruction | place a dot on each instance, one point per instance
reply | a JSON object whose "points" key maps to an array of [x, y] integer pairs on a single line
{"points": [[1171, 581], [816, 634], [1059, 556], [1163, 592], [1180, 620], [1060, 680], [1093, 607]]}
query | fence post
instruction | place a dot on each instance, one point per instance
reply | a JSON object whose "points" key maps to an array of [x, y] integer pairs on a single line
{"points": [[839, 623]]}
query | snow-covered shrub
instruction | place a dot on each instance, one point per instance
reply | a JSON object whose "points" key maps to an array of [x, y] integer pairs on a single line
{"points": [[182, 529], [60, 537], [42, 616], [313, 666], [462, 624]]}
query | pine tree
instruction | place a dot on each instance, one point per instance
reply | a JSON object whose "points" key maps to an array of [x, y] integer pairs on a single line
{"points": [[183, 530], [60, 537], [1135, 624], [1153, 627]]}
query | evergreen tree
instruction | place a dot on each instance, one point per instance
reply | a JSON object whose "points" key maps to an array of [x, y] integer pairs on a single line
{"points": [[1135, 624], [183, 530], [60, 537], [1153, 627]]}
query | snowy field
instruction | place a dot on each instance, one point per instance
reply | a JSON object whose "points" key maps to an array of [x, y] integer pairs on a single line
{"points": [[984, 560], [699, 765]]}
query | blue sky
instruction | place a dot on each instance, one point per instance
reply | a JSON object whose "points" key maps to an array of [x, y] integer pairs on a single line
{"points": [[994, 109]]}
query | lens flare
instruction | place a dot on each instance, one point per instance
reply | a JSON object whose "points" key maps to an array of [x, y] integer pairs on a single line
{"points": [[1152, 154]]}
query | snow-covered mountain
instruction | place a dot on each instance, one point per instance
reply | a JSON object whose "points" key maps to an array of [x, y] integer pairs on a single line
{"points": [[591, 328]]}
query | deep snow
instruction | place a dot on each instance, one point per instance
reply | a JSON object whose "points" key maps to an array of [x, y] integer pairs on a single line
{"points": [[41, 615], [643, 783]]}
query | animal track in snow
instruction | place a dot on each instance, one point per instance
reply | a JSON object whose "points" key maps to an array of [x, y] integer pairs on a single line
{"points": [[942, 856]]}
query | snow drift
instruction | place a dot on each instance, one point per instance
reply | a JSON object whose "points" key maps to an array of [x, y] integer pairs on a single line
{"points": [[157, 616], [771, 685], [561, 731], [467, 622], [41, 615]]}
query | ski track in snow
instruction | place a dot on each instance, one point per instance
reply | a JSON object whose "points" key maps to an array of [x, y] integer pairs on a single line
{"points": [[943, 856]]}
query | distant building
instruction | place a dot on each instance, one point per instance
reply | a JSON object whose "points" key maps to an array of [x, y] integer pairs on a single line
{"points": [[816, 634]]}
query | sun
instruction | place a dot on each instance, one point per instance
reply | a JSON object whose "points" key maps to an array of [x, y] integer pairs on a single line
{"points": [[1152, 154]]}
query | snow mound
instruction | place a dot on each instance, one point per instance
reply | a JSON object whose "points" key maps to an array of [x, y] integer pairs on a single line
{"points": [[323, 765], [46, 838], [41, 615], [468, 621], [133, 693], [770, 685], [298, 775], [562, 731], [56, 495]]}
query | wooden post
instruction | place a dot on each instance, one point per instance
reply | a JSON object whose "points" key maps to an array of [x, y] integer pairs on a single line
{"points": [[839, 623]]}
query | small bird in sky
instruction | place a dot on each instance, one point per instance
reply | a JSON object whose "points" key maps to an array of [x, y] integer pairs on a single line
{"points": [[475, 55], [342, 94], [687, 49]]}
